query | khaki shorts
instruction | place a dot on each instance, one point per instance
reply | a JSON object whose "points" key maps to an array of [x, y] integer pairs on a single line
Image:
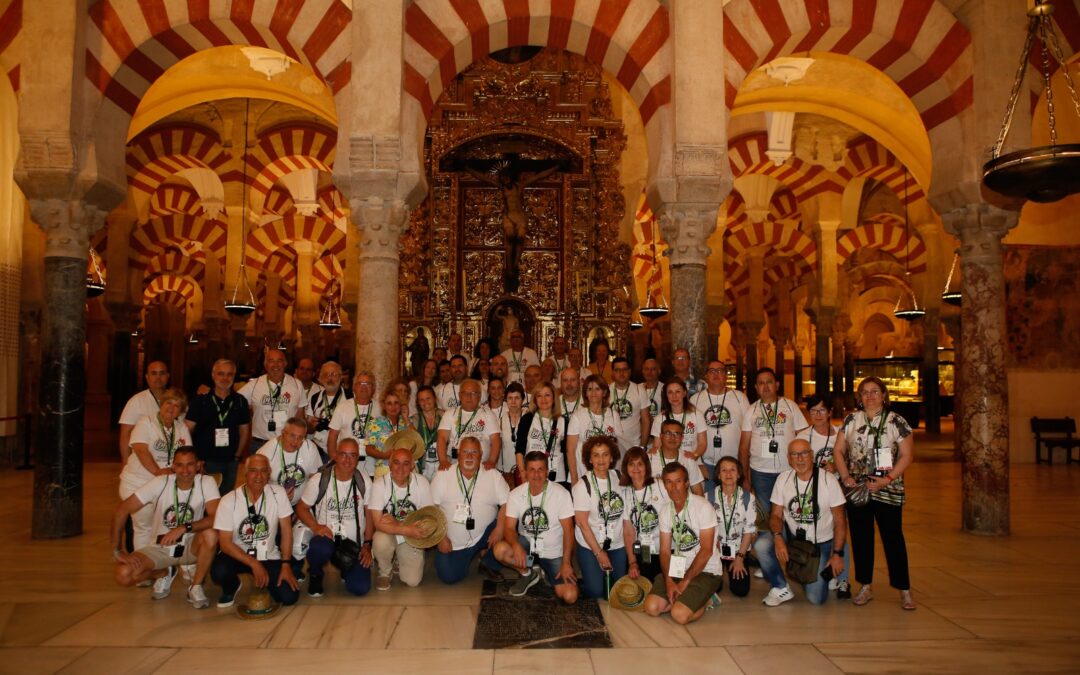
{"points": [[159, 555], [697, 592]]}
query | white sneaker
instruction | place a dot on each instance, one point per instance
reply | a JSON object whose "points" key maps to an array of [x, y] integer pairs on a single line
{"points": [[189, 573], [778, 596], [164, 584], [833, 583], [196, 596], [758, 574]]}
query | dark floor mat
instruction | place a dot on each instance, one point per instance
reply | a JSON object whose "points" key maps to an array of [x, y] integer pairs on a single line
{"points": [[537, 620]]}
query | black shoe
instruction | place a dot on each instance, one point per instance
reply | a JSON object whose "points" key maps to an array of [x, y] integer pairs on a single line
{"points": [[843, 591], [314, 586], [490, 574]]}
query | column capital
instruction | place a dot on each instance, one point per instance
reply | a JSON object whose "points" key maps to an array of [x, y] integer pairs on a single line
{"points": [[978, 223], [67, 224], [842, 324], [124, 315], [686, 227], [380, 223]]}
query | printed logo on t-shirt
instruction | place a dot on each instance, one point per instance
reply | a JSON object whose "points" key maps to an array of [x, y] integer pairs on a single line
{"points": [[593, 432], [611, 505], [253, 528], [684, 539], [399, 508], [644, 518], [622, 406], [170, 516], [535, 521], [359, 427], [761, 422], [292, 476], [717, 416], [268, 400], [654, 407], [342, 506], [802, 508]]}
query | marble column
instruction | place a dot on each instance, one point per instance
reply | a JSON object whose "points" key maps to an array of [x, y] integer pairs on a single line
{"points": [[780, 341], [823, 328], [984, 416], [380, 223], [797, 366], [929, 374], [686, 227], [841, 325], [58, 490]]}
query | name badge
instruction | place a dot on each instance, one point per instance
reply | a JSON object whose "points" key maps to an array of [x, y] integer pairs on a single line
{"points": [[280, 416], [221, 438], [461, 513], [677, 566], [649, 540], [883, 458], [400, 539], [261, 548]]}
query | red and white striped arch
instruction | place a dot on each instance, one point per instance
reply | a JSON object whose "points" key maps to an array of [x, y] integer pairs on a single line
{"points": [[172, 290], [628, 38], [919, 44], [282, 150], [1067, 19], [158, 234], [888, 238], [11, 40], [278, 234], [174, 199], [645, 259], [326, 269], [332, 203], [278, 201], [131, 43], [780, 236], [158, 154], [177, 263], [746, 154], [793, 268], [866, 157]]}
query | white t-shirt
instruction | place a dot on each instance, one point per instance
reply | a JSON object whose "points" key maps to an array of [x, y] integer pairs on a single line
{"points": [[629, 404], [642, 509], [821, 444], [149, 431], [233, 516], [487, 492], [479, 424], [388, 497], [693, 424], [509, 433], [295, 466], [734, 518], [320, 405], [277, 402], [723, 417], [654, 397], [781, 423], [796, 497], [696, 517], [140, 405], [352, 419], [517, 362], [169, 501], [540, 438], [539, 518], [658, 461], [448, 395], [585, 425], [337, 509], [606, 508]]}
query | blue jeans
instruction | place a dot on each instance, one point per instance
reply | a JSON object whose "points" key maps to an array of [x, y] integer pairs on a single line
{"points": [[762, 483], [710, 484], [452, 567], [593, 582], [817, 592], [357, 580], [226, 571], [551, 566]]}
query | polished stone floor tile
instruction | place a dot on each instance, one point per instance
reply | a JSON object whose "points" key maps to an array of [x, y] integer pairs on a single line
{"points": [[425, 627], [684, 661], [331, 661], [31, 623], [37, 659], [954, 656], [120, 661], [336, 626], [1029, 617], [637, 629], [543, 661], [769, 659]]}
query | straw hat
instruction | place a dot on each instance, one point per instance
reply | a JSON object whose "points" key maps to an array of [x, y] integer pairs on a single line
{"points": [[408, 439], [259, 606], [629, 594], [433, 520]]}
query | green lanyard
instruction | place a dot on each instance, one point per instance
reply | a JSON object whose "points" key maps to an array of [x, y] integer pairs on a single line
{"points": [[639, 507], [536, 526], [362, 431], [723, 511], [469, 490], [221, 415], [408, 489], [176, 503], [274, 395], [517, 361], [877, 434], [251, 509], [461, 429], [592, 423], [679, 526], [600, 501], [340, 510], [567, 412], [328, 409], [615, 390], [282, 449], [425, 433], [168, 436]]}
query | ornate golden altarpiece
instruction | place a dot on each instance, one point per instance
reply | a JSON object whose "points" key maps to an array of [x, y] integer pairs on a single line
{"points": [[550, 117]]}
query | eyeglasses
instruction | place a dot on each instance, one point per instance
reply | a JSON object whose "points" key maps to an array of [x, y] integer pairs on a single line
{"points": [[818, 411], [805, 453], [715, 371], [349, 455], [671, 434], [681, 358]]}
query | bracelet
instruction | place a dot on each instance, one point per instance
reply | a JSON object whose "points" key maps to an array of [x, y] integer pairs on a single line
{"points": [[740, 554], [188, 527], [889, 478], [634, 564], [367, 542]]}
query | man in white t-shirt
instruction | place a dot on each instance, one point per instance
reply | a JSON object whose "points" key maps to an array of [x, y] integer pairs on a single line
{"points": [[519, 357], [538, 532], [652, 386], [273, 398], [559, 355], [670, 451], [723, 410], [393, 497], [143, 404], [448, 393], [690, 564], [469, 419], [249, 520], [319, 407], [628, 399], [333, 507], [796, 514], [184, 504], [305, 375], [680, 362], [771, 423], [292, 458], [352, 418], [470, 498]]}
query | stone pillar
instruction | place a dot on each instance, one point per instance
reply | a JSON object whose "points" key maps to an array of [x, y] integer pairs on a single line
{"points": [[929, 374], [748, 333], [823, 328], [984, 416], [797, 366], [849, 371], [841, 326], [714, 316], [57, 510], [780, 340], [98, 420], [123, 369]]}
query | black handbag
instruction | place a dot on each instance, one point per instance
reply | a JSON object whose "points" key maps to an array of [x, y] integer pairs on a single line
{"points": [[803, 556]]}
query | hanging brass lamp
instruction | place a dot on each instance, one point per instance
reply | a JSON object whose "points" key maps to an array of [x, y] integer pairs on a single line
{"points": [[241, 301], [1047, 173]]}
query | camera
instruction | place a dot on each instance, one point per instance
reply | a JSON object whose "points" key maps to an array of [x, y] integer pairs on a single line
{"points": [[271, 425], [322, 425], [800, 534], [637, 549], [725, 551], [607, 544], [774, 447], [470, 523], [717, 442]]}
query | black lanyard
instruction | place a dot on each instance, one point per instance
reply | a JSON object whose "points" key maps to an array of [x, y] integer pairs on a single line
{"points": [[546, 437], [723, 403], [536, 524], [771, 420], [639, 507], [340, 512], [274, 395], [328, 410], [600, 501], [513, 427], [256, 518], [408, 489]]}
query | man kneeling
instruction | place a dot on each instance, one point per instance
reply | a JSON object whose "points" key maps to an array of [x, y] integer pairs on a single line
{"points": [[184, 506], [337, 494], [689, 560], [248, 520], [538, 532]]}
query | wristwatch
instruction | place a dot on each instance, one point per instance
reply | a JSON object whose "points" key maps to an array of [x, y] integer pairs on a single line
{"points": [[187, 527], [838, 551]]}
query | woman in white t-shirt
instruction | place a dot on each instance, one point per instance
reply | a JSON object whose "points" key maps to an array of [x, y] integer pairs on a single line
{"points": [[598, 513], [736, 518], [510, 427], [596, 418], [426, 422], [644, 497], [675, 405], [542, 429], [153, 442]]}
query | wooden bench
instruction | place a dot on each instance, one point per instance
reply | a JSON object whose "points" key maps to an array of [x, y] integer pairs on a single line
{"points": [[1061, 430]]}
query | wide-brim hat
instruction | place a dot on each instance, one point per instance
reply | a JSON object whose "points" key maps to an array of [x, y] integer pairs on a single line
{"points": [[408, 439], [629, 594], [434, 519], [259, 606]]}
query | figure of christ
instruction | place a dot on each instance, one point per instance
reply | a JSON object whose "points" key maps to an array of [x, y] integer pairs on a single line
{"points": [[514, 219]]}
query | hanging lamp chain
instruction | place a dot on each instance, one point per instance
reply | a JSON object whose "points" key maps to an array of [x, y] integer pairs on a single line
{"points": [[1014, 94], [1055, 47]]}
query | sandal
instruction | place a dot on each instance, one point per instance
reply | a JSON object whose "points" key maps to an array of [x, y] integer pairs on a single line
{"points": [[906, 601], [865, 595]]}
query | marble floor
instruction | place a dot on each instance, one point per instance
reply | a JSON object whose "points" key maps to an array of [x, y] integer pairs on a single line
{"points": [[985, 605]]}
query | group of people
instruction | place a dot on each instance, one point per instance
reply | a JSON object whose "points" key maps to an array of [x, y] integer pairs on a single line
{"points": [[535, 464]]}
